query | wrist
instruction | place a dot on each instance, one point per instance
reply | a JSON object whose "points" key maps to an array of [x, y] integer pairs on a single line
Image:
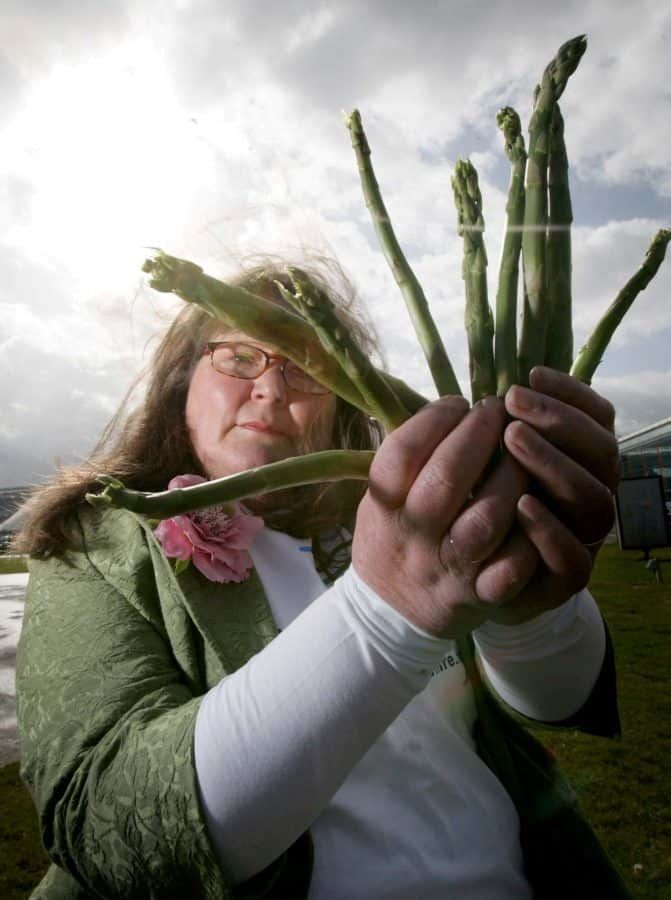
{"points": [[407, 643]]}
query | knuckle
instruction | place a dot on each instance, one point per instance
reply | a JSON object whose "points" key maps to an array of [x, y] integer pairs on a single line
{"points": [[453, 402], [612, 466], [510, 581], [604, 512], [608, 412], [545, 460], [433, 482], [505, 580]]}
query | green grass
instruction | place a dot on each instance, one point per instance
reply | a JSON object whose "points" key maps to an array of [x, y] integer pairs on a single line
{"points": [[22, 860], [11, 564], [624, 786]]}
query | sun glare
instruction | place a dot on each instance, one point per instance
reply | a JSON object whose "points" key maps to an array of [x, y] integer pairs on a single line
{"points": [[113, 160]]}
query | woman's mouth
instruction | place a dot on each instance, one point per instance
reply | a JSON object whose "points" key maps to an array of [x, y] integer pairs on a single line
{"points": [[263, 428]]}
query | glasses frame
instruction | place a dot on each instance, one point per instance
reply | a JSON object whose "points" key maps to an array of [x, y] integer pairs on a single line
{"points": [[211, 346]]}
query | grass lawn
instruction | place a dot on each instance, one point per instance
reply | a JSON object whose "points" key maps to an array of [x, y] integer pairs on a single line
{"points": [[11, 564], [624, 785], [22, 860]]}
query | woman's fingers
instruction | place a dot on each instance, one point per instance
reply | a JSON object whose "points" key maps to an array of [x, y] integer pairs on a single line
{"points": [[567, 560], [584, 502], [405, 451], [447, 478], [577, 433], [574, 393], [505, 574], [484, 523]]}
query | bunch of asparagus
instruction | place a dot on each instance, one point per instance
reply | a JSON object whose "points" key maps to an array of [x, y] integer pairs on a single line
{"points": [[537, 228]]}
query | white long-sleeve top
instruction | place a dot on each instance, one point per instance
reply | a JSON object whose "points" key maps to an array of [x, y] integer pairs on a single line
{"points": [[356, 724]]}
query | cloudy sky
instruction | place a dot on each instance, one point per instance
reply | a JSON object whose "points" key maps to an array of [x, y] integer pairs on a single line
{"points": [[213, 130]]}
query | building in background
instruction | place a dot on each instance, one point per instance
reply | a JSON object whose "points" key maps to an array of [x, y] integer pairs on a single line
{"points": [[648, 452]]}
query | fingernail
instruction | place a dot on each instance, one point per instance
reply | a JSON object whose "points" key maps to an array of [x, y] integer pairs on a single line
{"points": [[525, 506], [522, 397], [490, 400], [543, 373], [512, 435]]}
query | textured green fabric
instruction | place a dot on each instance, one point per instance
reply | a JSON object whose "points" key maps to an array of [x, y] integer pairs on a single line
{"points": [[112, 661]]}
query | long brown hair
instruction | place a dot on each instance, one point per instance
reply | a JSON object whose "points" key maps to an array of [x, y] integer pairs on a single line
{"points": [[146, 445]]}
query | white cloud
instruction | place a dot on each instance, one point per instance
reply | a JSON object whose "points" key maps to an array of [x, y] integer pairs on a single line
{"points": [[604, 259], [640, 399]]}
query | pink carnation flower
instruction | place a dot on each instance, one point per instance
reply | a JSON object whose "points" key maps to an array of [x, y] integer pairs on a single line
{"points": [[216, 542]]}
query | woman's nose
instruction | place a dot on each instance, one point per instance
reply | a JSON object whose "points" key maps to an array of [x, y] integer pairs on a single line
{"points": [[270, 384]]}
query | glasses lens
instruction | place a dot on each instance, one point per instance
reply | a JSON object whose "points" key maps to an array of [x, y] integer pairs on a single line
{"points": [[239, 360], [296, 378]]}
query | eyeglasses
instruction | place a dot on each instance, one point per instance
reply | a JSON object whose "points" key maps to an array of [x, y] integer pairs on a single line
{"points": [[241, 360]]}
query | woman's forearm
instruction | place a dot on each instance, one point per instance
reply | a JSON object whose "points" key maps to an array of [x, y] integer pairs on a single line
{"points": [[275, 740], [546, 668]]}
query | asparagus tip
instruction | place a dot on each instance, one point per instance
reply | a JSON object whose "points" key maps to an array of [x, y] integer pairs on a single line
{"points": [[352, 120], [565, 63], [509, 122]]}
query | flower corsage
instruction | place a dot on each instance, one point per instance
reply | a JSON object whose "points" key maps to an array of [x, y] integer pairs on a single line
{"points": [[216, 540]]}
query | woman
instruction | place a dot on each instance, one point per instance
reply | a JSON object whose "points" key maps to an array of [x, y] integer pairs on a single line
{"points": [[180, 734]]}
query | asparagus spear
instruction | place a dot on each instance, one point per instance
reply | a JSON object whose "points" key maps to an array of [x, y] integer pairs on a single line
{"points": [[425, 328], [591, 353], [317, 308], [534, 321], [410, 398], [559, 350], [260, 318], [312, 468], [505, 342], [479, 323]]}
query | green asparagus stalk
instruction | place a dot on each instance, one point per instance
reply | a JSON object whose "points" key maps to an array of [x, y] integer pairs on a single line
{"points": [[411, 399], [425, 328], [535, 317], [479, 322], [313, 468], [592, 352], [260, 318], [559, 349], [318, 309], [505, 338]]}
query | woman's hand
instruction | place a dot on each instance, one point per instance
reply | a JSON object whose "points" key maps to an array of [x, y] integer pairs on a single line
{"points": [[451, 540], [563, 437], [438, 518]]}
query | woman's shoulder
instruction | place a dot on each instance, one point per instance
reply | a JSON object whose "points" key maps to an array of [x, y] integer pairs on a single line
{"points": [[111, 544]]}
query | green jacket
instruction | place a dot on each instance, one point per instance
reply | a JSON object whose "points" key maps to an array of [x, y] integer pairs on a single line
{"points": [[114, 657]]}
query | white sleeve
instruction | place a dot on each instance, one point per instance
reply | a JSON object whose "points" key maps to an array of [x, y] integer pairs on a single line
{"points": [[276, 739], [546, 668]]}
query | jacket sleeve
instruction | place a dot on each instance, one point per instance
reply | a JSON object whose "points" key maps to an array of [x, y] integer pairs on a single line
{"points": [[106, 722]]}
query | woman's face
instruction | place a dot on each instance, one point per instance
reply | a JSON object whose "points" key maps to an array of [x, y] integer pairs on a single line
{"points": [[236, 424]]}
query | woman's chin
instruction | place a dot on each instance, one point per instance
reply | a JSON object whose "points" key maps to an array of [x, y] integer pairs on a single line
{"points": [[251, 459]]}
